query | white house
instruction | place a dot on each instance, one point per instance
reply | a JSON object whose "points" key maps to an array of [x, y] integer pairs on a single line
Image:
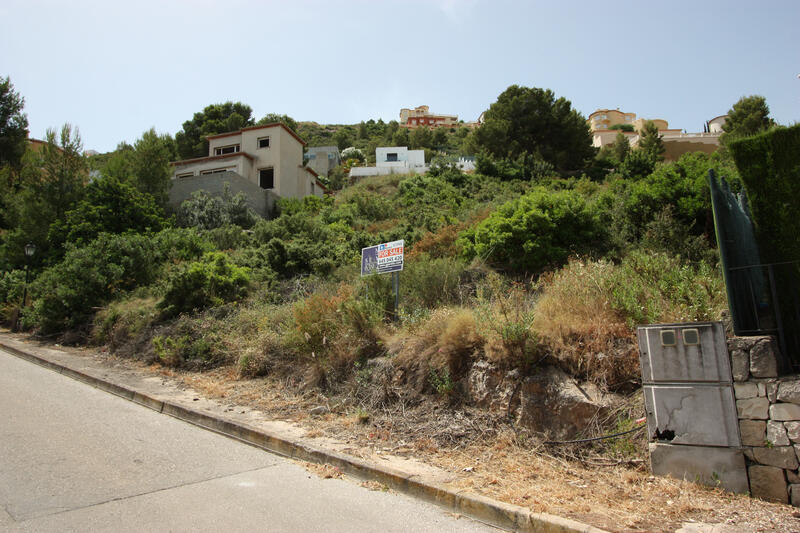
{"points": [[259, 158], [393, 160]]}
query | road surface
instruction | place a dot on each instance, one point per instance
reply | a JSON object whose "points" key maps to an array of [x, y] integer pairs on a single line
{"points": [[74, 458]]}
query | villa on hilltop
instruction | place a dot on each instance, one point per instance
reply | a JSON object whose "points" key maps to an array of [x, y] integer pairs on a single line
{"points": [[264, 162], [605, 124]]}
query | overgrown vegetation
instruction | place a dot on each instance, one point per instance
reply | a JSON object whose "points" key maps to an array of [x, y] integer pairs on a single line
{"points": [[549, 254]]}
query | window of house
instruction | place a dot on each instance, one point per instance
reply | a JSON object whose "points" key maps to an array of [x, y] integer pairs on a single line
{"points": [[263, 142], [232, 149], [214, 171], [391, 157], [185, 175], [266, 178]]}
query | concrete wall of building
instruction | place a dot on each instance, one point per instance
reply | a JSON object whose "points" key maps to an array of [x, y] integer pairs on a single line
{"points": [[674, 148], [239, 164], [716, 123], [605, 118], [259, 200], [381, 156], [284, 155], [323, 159], [661, 124]]}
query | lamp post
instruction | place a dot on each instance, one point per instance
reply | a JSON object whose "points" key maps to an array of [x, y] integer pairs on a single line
{"points": [[30, 249]]}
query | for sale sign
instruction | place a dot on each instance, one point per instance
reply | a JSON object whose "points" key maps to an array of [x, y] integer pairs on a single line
{"points": [[382, 258]]}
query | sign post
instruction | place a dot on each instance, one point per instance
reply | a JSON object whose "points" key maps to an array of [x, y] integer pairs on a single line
{"points": [[384, 259]]}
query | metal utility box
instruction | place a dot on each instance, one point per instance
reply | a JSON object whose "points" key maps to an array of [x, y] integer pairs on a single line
{"points": [[691, 409], [688, 385]]}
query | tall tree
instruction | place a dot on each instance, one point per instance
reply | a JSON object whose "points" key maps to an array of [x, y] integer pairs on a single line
{"points": [[651, 142], [533, 121], [748, 116], [150, 164], [13, 125], [52, 181], [62, 172], [216, 118], [620, 148], [272, 118]]}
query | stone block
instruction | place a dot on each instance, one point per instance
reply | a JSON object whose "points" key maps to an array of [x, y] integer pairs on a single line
{"points": [[792, 477], [768, 483], [743, 391], [753, 432], [789, 391], [792, 431], [762, 388], [772, 391], [704, 464], [783, 411], [794, 494], [764, 358], [740, 365], [780, 456], [753, 408], [748, 452], [776, 434]]}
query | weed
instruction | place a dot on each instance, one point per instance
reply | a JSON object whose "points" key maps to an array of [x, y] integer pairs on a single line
{"points": [[441, 381]]}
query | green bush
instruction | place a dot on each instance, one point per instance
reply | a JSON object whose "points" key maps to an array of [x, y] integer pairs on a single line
{"points": [[538, 229], [109, 206], [12, 285], [67, 294], [769, 169], [430, 283], [207, 211], [631, 207], [652, 287], [180, 244], [209, 282]]}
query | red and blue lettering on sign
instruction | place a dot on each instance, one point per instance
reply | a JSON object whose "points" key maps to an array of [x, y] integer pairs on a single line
{"points": [[382, 258]]}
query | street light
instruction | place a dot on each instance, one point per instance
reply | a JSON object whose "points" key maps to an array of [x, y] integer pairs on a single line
{"points": [[30, 249]]}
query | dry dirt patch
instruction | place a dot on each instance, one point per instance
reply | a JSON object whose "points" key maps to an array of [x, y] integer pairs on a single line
{"points": [[490, 458]]}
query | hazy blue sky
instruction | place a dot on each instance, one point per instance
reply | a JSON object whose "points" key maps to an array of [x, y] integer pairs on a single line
{"points": [[115, 69]]}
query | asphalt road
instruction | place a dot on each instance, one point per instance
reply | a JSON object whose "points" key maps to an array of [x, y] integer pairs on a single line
{"points": [[73, 458]]}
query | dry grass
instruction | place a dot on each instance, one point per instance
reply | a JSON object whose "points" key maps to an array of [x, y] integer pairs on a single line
{"points": [[575, 321], [615, 498]]}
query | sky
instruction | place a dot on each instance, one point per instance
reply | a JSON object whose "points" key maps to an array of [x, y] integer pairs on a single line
{"points": [[116, 69]]}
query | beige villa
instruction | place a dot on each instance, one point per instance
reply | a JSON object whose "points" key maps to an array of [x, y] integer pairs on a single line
{"points": [[264, 162], [676, 143]]}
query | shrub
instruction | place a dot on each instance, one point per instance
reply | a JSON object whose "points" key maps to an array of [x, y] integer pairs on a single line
{"points": [[535, 230], [123, 320], [334, 329], [180, 244], [504, 322], [588, 310], [209, 282], [768, 166], [439, 349], [12, 285], [207, 211], [67, 294], [430, 283], [109, 206], [656, 287], [176, 351]]}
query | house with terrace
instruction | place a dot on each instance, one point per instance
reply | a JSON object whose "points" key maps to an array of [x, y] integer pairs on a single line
{"points": [[264, 162]]}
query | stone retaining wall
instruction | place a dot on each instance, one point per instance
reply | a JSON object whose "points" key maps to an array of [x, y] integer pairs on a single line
{"points": [[769, 418]]}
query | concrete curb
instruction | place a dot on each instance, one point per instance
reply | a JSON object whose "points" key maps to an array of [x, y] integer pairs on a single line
{"points": [[483, 509]]}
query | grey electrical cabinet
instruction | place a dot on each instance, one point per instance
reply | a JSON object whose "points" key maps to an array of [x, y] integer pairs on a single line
{"points": [[688, 385], [691, 409]]}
